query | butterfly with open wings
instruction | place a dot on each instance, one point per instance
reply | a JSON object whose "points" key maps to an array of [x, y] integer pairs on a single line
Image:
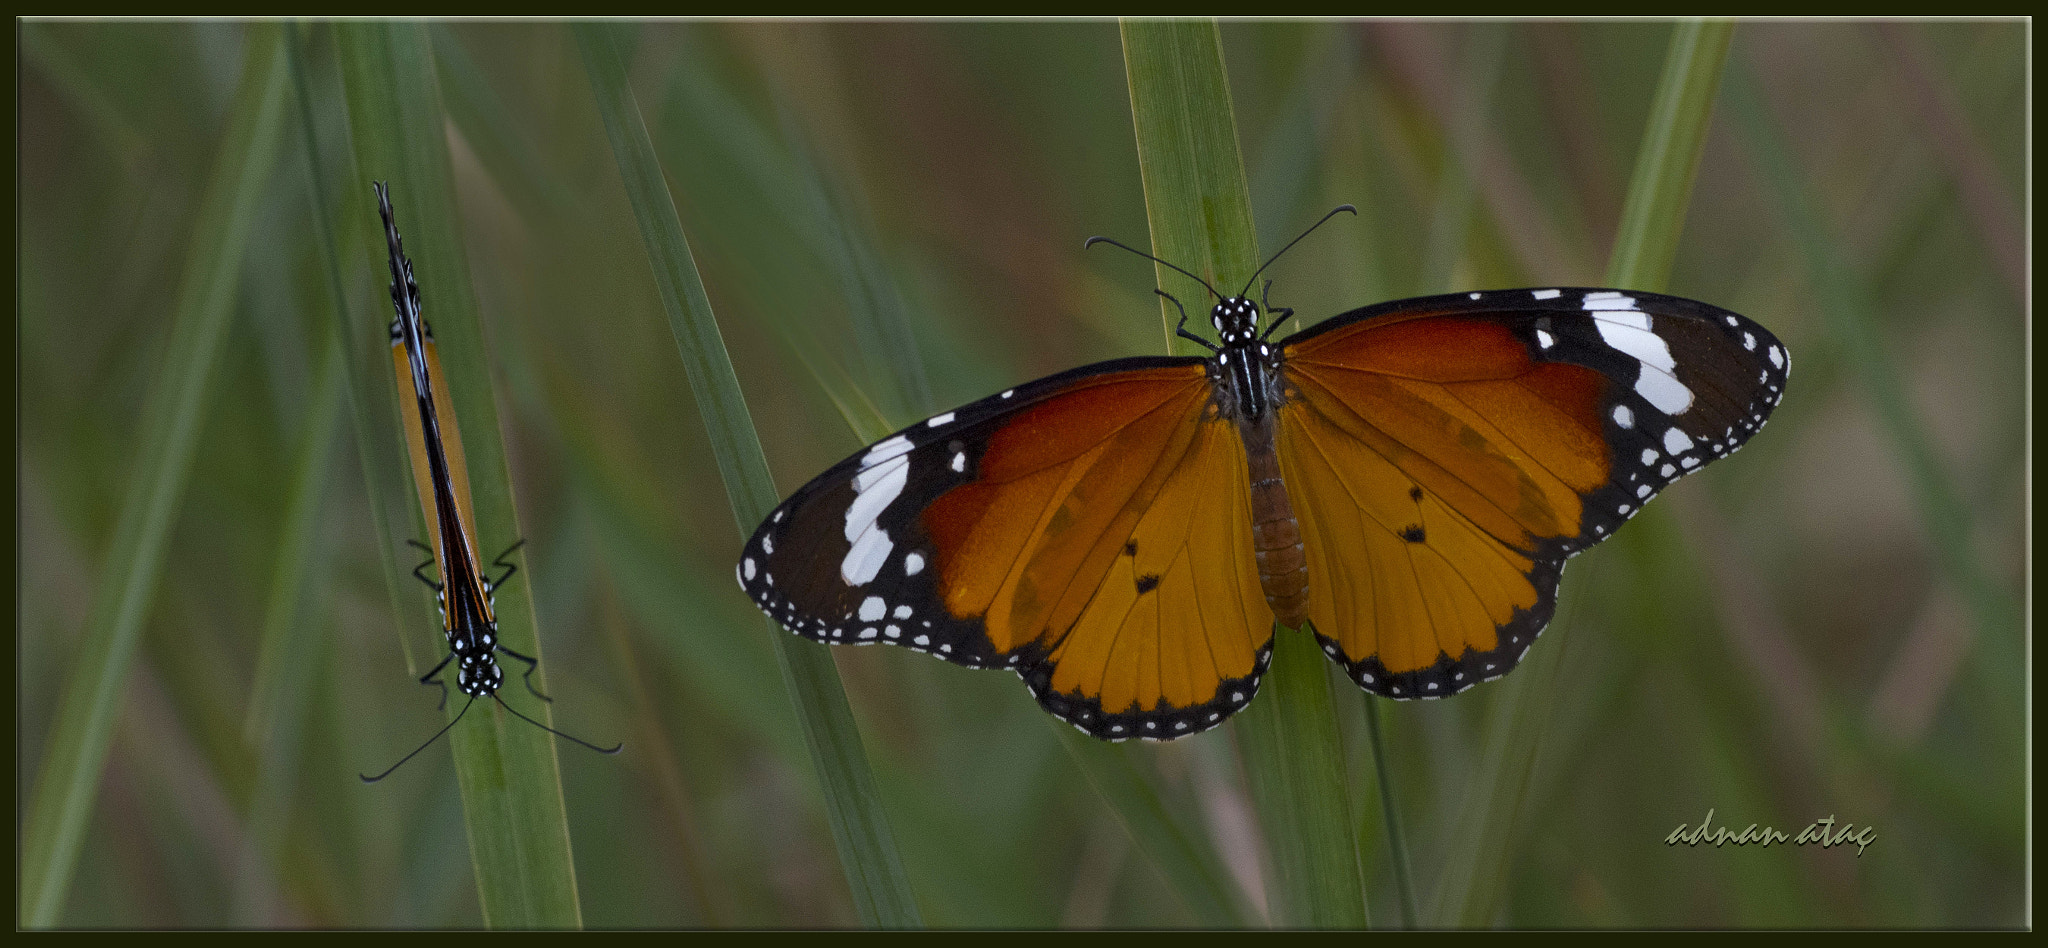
{"points": [[1406, 480]]}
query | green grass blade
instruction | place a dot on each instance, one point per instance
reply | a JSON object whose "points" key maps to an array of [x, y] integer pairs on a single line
{"points": [[867, 849], [66, 784], [1179, 851], [1488, 819], [506, 768], [1200, 212], [1669, 158], [1390, 816], [1197, 197]]}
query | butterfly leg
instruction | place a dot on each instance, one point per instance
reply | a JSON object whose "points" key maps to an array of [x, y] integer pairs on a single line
{"points": [[1181, 328], [433, 677], [429, 561], [532, 665], [493, 585], [1280, 315]]}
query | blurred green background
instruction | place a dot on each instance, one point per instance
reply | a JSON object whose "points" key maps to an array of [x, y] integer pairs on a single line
{"points": [[889, 219]]}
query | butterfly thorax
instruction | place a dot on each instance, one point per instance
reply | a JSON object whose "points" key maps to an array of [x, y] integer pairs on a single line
{"points": [[1245, 369]]}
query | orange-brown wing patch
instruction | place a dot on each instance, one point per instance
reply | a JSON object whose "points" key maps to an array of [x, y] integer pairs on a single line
{"points": [[1173, 635], [1403, 586], [1501, 449]]}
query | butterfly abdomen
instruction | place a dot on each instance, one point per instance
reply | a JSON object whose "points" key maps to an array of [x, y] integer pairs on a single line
{"points": [[1276, 535]]}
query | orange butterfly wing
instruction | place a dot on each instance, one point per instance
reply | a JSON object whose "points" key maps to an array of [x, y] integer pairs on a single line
{"points": [[1090, 531], [1446, 455]]}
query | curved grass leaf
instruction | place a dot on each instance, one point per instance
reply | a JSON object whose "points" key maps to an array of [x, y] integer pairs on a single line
{"points": [[867, 850]]}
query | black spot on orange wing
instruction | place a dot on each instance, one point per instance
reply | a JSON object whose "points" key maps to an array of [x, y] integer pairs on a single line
{"points": [[1525, 425]]}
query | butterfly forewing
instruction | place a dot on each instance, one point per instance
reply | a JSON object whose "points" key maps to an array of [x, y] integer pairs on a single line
{"points": [[1446, 455]]}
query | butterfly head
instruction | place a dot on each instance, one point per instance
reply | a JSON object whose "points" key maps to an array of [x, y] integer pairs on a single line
{"points": [[1236, 320], [476, 668], [478, 675]]}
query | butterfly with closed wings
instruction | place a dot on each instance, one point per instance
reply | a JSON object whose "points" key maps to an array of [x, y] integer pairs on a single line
{"points": [[465, 594], [1406, 480]]}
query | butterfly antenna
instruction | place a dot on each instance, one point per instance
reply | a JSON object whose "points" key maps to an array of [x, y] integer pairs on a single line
{"points": [[1092, 241], [416, 751], [615, 748], [1339, 209]]}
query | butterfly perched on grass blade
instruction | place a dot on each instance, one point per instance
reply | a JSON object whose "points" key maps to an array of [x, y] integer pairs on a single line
{"points": [[1406, 480], [464, 591]]}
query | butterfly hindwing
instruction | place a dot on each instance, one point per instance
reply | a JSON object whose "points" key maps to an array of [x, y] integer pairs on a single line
{"points": [[1073, 530], [1447, 454]]}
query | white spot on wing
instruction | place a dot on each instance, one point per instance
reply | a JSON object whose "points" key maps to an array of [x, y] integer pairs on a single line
{"points": [[876, 487], [1544, 339], [1664, 391], [1649, 456], [913, 564], [946, 418], [1629, 333], [884, 450], [873, 608], [1610, 300], [1623, 317], [866, 558], [748, 565], [1547, 294], [959, 461], [1675, 441], [1777, 357], [1624, 417]]}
